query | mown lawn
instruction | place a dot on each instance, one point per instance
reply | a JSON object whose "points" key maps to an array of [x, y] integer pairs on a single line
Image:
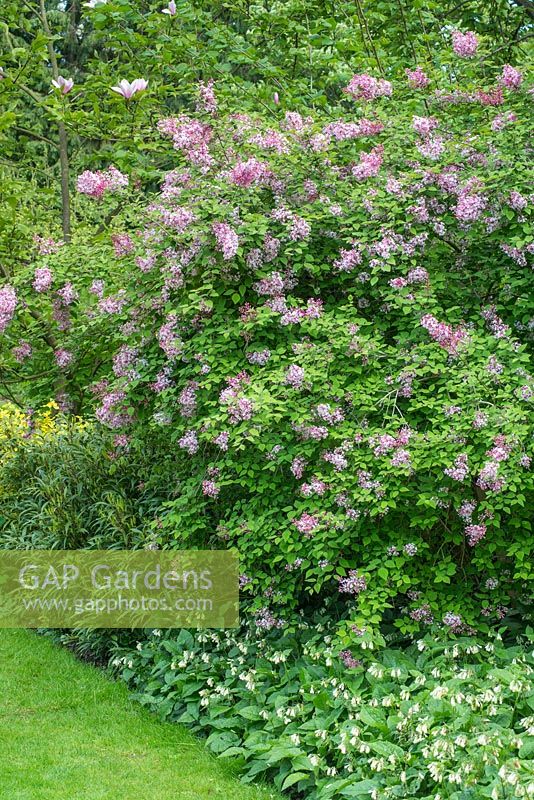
{"points": [[69, 733]]}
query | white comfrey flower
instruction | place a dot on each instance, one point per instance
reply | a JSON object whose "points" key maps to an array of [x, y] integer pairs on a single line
{"points": [[279, 658], [315, 760], [439, 692], [130, 664], [331, 772], [320, 734], [364, 747], [454, 777], [436, 771], [483, 739], [396, 672], [343, 749], [436, 672], [373, 702], [461, 740], [472, 649], [388, 701], [376, 671], [464, 674], [489, 648], [421, 645], [139, 646], [457, 699], [516, 686], [205, 658], [405, 694], [156, 632], [377, 764], [210, 682], [329, 661], [295, 738], [264, 714]]}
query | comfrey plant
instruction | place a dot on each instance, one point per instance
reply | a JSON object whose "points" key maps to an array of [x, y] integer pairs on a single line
{"points": [[442, 719], [330, 321]]}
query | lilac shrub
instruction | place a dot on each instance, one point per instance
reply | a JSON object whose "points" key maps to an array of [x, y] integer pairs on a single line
{"points": [[328, 322]]}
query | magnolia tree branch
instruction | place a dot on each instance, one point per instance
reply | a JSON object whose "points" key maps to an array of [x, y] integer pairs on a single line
{"points": [[62, 134]]}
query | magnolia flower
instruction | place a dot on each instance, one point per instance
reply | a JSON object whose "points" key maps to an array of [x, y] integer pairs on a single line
{"points": [[171, 9], [127, 89], [63, 84]]}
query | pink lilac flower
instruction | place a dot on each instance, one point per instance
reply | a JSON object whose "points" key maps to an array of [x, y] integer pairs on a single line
{"points": [[401, 458], [348, 659], [348, 260], [464, 44], [337, 459], [221, 440], [328, 414], [46, 246], [260, 357], [525, 461], [480, 421], [189, 442], [517, 201], [22, 351], [422, 614], [64, 85], [187, 400], [97, 287], [266, 620], [112, 304], [366, 87], [299, 230], [8, 304], [498, 328], [168, 340], [294, 376], [352, 583], [206, 97], [60, 314], [342, 130], [467, 510], [271, 140], [67, 294], [511, 77], [297, 467], [369, 165], [146, 262], [128, 90], [315, 486], [124, 361], [210, 489], [63, 357], [122, 244], [96, 184], [42, 279], [417, 78], [502, 120], [247, 173], [452, 620], [446, 336], [488, 478], [460, 470], [494, 367], [474, 533], [424, 125], [432, 147], [112, 411], [227, 239], [306, 523]]}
